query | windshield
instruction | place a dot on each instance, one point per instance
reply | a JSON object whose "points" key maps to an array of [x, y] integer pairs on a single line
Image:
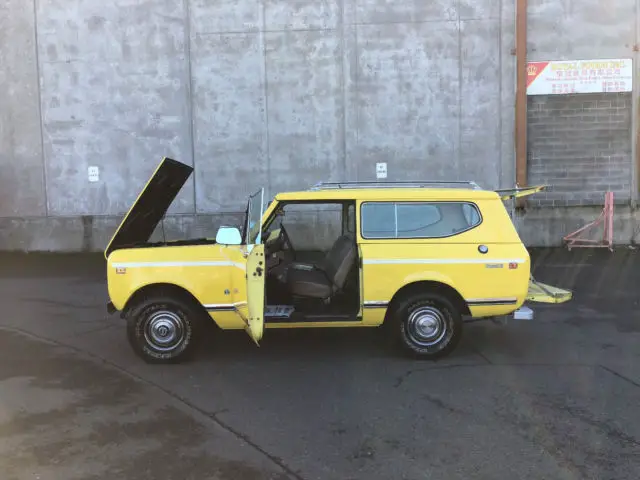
{"points": [[253, 227]]}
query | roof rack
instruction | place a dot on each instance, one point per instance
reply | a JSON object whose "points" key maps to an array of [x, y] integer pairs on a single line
{"points": [[426, 184]]}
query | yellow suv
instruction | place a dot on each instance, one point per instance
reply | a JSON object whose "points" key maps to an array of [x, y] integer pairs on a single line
{"points": [[417, 259]]}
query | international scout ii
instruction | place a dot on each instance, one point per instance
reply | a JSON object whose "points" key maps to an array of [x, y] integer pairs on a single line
{"points": [[417, 259]]}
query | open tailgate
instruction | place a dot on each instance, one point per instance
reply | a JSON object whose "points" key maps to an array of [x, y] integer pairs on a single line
{"points": [[511, 193], [538, 291], [543, 293]]}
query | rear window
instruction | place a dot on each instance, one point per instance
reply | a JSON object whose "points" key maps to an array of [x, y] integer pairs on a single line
{"points": [[417, 219]]}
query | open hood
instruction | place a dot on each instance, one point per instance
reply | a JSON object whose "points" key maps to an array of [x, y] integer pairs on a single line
{"points": [[151, 205]]}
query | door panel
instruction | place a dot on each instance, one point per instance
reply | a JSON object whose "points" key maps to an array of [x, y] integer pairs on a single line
{"points": [[496, 279], [248, 287], [256, 273]]}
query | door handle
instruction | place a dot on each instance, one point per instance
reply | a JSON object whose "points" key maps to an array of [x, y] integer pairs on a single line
{"points": [[483, 249]]}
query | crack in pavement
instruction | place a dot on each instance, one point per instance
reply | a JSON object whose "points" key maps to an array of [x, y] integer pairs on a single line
{"points": [[482, 355], [93, 330], [59, 303], [620, 376], [401, 378], [211, 416]]}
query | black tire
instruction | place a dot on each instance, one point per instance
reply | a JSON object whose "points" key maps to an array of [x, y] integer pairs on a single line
{"points": [[162, 329], [427, 325]]}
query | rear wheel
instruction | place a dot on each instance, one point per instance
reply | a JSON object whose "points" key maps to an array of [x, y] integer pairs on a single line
{"points": [[162, 329], [427, 325]]}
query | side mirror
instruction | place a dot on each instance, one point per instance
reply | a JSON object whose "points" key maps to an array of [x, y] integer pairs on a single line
{"points": [[228, 236]]}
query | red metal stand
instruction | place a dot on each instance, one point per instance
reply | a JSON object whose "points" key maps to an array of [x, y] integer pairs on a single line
{"points": [[574, 241]]}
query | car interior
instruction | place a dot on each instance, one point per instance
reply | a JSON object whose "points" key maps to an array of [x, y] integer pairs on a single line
{"points": [[312, 275]]}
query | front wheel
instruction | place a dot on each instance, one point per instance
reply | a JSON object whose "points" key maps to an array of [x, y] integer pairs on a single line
{"points": [[162, 330], [428, 325]]}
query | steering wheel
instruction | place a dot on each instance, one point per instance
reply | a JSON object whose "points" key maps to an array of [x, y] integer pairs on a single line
{"points": [[284, 240]]}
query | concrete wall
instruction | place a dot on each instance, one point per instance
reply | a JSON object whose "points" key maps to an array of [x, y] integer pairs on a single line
{"points": [[258, 92], [272, 93]]}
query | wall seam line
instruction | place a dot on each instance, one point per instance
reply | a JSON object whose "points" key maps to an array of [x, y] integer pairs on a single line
{"points": [[635, 111], [356, 91], [460, 79], [267, 141], [343, 81], [192, 120], [500, 90], [41, 119]]}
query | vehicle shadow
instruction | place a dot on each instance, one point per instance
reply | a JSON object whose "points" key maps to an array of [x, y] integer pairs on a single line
{"points": [[324, 344]]}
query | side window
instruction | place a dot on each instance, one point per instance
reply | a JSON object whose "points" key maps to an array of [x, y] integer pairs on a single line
{"points": [[378, 220], [471, 214], [417, 219]]}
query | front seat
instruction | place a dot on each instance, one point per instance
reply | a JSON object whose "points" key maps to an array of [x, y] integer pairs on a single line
{"points": [[323, 281]]}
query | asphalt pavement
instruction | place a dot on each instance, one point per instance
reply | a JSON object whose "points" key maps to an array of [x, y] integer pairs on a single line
{"points": [[554, 398]]}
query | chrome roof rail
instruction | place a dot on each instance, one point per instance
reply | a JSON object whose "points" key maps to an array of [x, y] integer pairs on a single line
{"points": [[419, 184]]}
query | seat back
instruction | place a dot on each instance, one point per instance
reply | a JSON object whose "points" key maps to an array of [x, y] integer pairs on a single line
{"points": [[339, 260]]}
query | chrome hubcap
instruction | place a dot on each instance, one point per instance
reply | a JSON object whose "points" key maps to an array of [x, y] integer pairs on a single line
{"points": [[164, 330], [426, 326]]}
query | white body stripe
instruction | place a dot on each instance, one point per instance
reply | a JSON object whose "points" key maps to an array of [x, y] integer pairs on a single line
{"points": [[179, 264], [374, 261], [439, 261], [489, 300], [384, 303], [224, 305]]}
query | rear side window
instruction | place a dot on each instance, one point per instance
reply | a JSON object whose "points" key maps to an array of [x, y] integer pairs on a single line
{"points": [[417, 219]]}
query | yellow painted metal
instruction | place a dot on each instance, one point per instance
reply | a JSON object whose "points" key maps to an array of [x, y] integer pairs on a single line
{"points": [[456, 262], [520, 192], [216, 275], [543, 293], [213, 274], [256, 273], [382, 194]]}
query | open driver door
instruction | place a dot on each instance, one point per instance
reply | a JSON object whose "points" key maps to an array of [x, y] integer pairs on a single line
{"points": [[252, 311]]}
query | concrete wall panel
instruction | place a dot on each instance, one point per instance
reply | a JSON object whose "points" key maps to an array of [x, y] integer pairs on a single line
{"points": [[480, 102], [114, 95], [393, 11], [350, 97], [230, 128], [225, 16], [408, 100], [507, 95], [479, 9], [569, 30], [301, 14], [21, 168], [304, 75]]}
